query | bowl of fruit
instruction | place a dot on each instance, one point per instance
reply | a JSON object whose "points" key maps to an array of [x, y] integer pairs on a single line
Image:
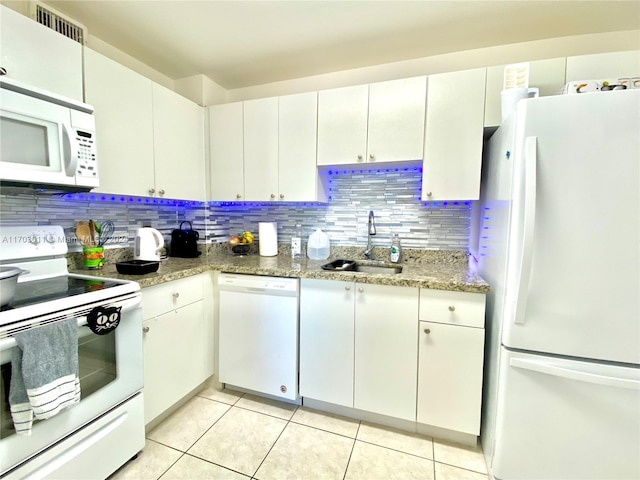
{"points": [[241, 244]]}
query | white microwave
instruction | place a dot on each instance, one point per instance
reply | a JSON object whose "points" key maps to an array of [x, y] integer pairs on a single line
{"points": [[46, 141]]}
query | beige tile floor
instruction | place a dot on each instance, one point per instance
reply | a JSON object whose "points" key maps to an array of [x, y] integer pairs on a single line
{"points": [[230, 435]]}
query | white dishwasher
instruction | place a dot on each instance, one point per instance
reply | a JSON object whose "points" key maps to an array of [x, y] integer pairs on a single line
{"points": [[258, 336]]}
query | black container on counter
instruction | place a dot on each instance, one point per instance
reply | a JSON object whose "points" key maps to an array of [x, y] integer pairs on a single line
{"points": [[184, 242]]}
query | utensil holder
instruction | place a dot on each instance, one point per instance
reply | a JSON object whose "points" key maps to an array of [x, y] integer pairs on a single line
{"points": [[93, 257]]}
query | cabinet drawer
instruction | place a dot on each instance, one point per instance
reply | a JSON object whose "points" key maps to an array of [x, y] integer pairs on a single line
{"points": [[455, 308], [160, 299]]}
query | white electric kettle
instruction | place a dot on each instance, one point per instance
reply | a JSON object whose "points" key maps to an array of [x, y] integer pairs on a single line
{"points": [[147, 244]]}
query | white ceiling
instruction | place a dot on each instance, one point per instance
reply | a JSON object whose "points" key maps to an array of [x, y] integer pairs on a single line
{"points": [[244, 43]]}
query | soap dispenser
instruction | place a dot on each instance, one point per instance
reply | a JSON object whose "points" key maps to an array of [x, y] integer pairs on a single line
{"points": [[396, 249]]}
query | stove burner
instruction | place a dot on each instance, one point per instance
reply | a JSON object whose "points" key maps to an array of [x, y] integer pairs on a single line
{"points": [[38, 291]]}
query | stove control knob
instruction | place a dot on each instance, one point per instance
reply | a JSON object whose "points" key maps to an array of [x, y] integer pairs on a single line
{"points": [[34, 239], [50, 238]]}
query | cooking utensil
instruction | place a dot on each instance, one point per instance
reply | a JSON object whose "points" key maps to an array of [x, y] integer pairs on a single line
{"points": [[8, 281], [92, 230], [106, 232], [83, 232]]}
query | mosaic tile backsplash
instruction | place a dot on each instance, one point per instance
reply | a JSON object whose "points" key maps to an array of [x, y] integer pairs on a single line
{"points": [[393, 196]]}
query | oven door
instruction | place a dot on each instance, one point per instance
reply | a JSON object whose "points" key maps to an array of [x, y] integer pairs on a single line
{"points": [[111, 371]]}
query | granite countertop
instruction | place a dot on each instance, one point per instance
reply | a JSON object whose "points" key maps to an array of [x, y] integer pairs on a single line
{"points": [[442, 271]]}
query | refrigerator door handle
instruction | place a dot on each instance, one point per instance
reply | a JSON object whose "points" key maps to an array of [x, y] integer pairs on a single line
{"points": [[542, 367], [526, 253]]}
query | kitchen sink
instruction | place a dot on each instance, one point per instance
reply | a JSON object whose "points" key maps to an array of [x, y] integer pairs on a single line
{"points": [[362, 267], [368, 268]]}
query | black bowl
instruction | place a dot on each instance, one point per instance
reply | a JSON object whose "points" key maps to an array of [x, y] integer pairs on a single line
{"points": [[241, 248]]}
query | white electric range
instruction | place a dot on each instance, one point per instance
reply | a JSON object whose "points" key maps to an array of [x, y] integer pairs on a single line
{"points": [[106, 428]]}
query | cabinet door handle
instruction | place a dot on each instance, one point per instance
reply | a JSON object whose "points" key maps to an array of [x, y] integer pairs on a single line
{"points": [[429, 194], [176, 294], [145, 329], [273, 196], [238, 195], [427, 331], [372, 157], [359, 158], [161, 192], [282, 196], [152, 191], [361, 289], [452, 308], [347, 288], [3, 71]]}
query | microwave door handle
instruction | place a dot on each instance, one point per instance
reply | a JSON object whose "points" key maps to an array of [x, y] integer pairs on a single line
{"points": [[70, 149]]}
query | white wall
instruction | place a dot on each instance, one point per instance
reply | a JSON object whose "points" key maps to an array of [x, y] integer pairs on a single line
{"points": [[202, 90], [483, 57]]}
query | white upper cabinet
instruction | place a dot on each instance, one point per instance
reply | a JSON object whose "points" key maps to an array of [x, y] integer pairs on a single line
{"points": [[381, 122], [150, 139], [261, 149], [265, 150], [178, 133], [226, 144], [342, 125], [546, 75], [124, 123], [35, 55], [453, 136], [396, 120], [603, 65], [297, 141]]}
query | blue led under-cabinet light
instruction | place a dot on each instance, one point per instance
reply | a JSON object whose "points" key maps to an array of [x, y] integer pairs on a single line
{"points": [[92, 197]]}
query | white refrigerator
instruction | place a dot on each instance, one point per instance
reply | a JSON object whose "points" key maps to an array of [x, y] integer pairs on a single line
{"points": [[559, 244]]}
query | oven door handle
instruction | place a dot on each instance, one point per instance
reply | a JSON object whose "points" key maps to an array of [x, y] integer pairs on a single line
{"points": [[10, 342]]}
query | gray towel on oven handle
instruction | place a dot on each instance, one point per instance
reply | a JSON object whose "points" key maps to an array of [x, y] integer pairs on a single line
{"points": [[44, 373]]}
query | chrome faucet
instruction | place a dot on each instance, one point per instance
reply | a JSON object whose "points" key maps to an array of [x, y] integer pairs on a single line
{"points": [[371, 233]]}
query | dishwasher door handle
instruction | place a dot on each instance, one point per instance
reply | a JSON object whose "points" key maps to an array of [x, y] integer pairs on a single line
{"points": [[255, 290]]}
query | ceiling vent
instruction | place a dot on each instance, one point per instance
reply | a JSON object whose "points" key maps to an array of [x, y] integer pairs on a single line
{"points": [[62, 24]]}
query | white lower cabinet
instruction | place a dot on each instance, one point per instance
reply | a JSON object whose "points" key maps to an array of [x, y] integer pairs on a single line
{"points": [[358, 346], [378, 349], [178, 342], [386, 350], [451, 353], [326, 340], [450, 376]]}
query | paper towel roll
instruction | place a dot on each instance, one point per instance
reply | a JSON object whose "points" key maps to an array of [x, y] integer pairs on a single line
{"points": [[268, 239]]}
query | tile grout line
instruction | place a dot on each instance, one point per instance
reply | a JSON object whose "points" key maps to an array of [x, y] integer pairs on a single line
{"points": [[217, 464], [171, 466], [433, 454], [461, 468], [352, 449], [276, 441], [324, 430], [266, 414], [396, 450], [197, 440]]}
